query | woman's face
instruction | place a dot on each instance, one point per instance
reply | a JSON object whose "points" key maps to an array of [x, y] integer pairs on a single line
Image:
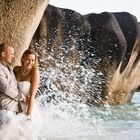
{"points": [[28, 61]]}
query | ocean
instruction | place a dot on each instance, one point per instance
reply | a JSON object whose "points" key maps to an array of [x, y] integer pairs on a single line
{"points": [[76, 121]]}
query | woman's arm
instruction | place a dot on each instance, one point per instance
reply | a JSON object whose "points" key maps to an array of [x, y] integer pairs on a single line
{"points": [[34, 86]]}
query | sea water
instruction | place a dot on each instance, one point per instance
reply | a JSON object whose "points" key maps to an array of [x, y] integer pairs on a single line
{"points": [[76, 121]]}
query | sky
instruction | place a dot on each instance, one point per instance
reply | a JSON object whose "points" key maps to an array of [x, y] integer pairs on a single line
{"points": [[98, 6]]}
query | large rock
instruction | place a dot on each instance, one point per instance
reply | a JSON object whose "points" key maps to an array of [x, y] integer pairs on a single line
{"points": [[115, 36], [18, 22], [94, 57]]}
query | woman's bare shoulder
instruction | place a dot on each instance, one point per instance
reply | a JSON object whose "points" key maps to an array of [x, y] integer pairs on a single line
{"points": [[17, 69]]}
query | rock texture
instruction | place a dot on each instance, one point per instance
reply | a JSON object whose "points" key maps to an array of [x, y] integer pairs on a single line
{"points": [[95, 57], [18, 22], [91, 58]]}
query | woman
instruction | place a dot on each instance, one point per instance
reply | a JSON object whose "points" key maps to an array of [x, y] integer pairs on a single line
{"points": [[27, 76]]}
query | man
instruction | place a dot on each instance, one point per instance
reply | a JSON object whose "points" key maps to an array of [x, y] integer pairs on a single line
{"points": [[10, 98]]}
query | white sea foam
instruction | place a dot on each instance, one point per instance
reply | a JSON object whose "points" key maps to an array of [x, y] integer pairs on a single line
{"points": [[75, 121]]}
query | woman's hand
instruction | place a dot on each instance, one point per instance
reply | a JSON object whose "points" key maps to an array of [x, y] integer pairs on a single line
{"points": [[27, 99], [29, 118]]}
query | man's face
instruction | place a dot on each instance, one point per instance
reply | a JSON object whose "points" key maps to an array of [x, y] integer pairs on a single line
{"points": [[8, 54]]}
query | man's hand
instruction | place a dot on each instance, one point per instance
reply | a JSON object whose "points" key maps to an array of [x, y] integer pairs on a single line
{"points": [[23, 98]]}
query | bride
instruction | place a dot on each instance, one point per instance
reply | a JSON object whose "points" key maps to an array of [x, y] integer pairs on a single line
{"points": [[27, 76]]}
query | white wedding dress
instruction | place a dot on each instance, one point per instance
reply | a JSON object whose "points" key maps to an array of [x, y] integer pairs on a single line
{"points": [[36, 120], [24, 88]]}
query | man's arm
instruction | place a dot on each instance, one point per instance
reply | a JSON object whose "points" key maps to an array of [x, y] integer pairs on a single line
{"points": [[6, 88]]}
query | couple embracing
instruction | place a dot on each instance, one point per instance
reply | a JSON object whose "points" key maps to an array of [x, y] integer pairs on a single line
{"points": [[18, 86]]}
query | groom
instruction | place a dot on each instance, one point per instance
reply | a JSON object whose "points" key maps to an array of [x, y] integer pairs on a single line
{"points": [[10, 98]]}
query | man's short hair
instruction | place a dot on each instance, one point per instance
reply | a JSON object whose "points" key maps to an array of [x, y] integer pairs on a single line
{"points": [[3, 46]]}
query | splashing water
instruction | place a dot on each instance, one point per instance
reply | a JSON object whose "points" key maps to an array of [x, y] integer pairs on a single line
{"points": [[76, 121], [60, 115]]}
